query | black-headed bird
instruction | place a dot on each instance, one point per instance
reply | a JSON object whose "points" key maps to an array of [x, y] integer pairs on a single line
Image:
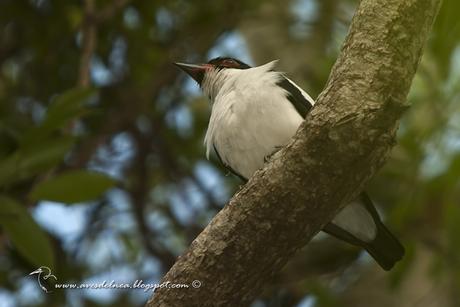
{"points": [[255, 112]]}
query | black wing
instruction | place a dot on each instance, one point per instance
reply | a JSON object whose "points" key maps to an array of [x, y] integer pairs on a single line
{"points": [[295, 96], [385, 248], [228, 167]]}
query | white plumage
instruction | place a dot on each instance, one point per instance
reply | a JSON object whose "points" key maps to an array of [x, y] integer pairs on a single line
{"points": [[247, 123]]}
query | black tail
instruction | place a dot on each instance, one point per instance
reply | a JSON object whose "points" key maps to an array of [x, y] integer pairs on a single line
{"points": [[385, 248]]}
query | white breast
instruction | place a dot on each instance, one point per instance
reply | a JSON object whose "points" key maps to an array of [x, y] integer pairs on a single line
{"points": [[250, 119]]}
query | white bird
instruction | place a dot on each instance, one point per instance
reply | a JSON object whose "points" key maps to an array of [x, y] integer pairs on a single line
{"points": [[255, 112]]}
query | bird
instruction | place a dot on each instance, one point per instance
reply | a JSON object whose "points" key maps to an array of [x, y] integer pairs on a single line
{"points": [[255, 111], [43, 271]]}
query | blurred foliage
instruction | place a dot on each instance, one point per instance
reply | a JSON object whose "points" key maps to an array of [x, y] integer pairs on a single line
{"points": [[30, 241], [127, 151], [72, 187]]}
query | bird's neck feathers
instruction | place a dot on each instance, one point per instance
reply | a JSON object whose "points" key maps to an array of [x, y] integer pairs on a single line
{"points": [[216, 81]]}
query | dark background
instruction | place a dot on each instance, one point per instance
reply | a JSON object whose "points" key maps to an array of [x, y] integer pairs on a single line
{"points": [[91, 88]]}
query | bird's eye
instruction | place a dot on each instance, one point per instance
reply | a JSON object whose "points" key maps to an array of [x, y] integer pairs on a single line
{"points": [[229, 63]]}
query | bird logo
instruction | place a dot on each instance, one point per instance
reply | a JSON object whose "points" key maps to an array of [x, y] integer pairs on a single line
{"points": [[43, 275]]}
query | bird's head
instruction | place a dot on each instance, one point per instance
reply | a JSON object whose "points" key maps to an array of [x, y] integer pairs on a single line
{"points": [[38, 271], [212, 76], [200, 71]]}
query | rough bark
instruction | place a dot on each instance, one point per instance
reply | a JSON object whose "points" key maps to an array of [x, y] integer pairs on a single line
{"points": [[342, 143]]}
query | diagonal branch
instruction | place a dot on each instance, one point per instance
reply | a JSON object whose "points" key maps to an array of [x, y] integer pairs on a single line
{"points": [[343, 142], [89, 33]]}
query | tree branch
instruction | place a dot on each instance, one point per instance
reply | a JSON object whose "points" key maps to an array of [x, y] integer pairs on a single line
{"points": [[111, 10], [342, 143], [89, 33]]}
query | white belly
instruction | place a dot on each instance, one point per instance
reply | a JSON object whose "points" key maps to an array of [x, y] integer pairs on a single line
{"points": [[245, 131]]}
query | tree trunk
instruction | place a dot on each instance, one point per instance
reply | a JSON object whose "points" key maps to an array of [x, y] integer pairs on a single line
{"points": [[342, 143]]}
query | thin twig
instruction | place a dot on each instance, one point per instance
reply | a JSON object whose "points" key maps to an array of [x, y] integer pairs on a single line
{"points": [[89, 34], [111, 10]]}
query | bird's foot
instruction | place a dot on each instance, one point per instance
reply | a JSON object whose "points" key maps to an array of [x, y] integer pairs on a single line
{"points": [[268, 157]]}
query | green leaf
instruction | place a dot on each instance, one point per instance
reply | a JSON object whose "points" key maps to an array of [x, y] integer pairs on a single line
{"points": [[73, 187], [25, 234], [67, 106], [25, 163]]}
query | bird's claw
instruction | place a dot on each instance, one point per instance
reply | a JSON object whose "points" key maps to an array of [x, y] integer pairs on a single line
{"points": [[269, 156]]}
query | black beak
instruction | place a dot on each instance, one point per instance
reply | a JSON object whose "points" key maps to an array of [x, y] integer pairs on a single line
{"points": [[195, 71]]}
